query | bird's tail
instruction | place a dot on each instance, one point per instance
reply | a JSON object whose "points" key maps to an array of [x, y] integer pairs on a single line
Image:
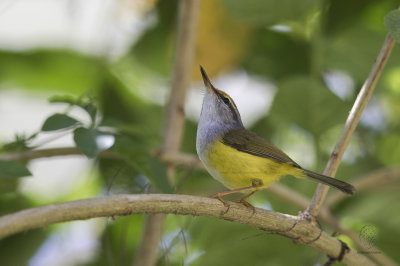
{"points": [[333, 182]]}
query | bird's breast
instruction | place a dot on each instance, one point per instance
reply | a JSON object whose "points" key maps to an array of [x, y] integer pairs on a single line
{"points": [[236, 169]]}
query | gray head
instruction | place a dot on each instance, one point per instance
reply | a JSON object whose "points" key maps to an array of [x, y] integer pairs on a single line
{"points": [[218, 107], [219, 114]]}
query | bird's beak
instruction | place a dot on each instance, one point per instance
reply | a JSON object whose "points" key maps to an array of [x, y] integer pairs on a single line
{"points": [[206, 80]]}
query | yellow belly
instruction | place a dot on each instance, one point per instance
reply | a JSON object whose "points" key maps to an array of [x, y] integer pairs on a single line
{"points": [[237, 169]]}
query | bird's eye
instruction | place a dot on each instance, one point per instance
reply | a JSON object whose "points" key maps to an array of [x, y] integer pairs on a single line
{"points": [[226, 100]]}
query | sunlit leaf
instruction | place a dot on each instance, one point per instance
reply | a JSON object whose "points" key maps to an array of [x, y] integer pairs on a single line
{"points": [[50, 70], [68, 99], [59, 121], [12, 169]]}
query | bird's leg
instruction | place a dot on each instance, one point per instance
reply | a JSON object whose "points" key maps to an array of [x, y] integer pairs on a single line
{"points": [[219, 195], [256, 184], [245, 198]]}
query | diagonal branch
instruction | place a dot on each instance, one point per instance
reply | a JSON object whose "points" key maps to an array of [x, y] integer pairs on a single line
{"points": [[290, 226], [276, 189], [351, 123]]}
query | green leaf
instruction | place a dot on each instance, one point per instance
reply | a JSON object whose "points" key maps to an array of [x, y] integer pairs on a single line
{"points": [[68, 99], [91, 141], [309, 104], [19, 144], [90, 108], [147, 49], [138, 157], [59, 121], [159, 176], [86, 103], [50, 70], [261, 12], [12, 169], [271, 54], [392, 24], [388, 149]]}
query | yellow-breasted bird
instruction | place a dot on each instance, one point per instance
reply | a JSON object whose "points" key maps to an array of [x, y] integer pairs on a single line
{"points": [[239, 158]]}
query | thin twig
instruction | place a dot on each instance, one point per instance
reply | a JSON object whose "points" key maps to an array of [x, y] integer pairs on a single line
{"points": [[351, 123], [283, 224], [28, 155]]}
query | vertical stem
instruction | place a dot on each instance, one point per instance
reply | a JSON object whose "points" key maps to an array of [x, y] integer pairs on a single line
{"points": [[146, 255], [174, 118], [182, 69], [351, 123]]}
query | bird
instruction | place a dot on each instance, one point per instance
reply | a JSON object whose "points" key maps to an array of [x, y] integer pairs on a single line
{"points": [[239, 158]]}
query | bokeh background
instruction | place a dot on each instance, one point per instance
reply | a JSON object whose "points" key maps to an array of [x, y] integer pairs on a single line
{"points": [[293, 67]]}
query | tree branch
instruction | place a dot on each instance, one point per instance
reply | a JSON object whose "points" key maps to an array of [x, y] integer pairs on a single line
{"points": [[276, 189], [153, 230], [25, 156], [299, 231], [183, 62], [174, 115], [351, 123], [327, 217]]}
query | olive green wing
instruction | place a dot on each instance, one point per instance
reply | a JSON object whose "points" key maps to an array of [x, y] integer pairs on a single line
{"points": [[246, 141]]}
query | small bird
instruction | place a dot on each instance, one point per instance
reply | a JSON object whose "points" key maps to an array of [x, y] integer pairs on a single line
{"points": [[240, 159]]}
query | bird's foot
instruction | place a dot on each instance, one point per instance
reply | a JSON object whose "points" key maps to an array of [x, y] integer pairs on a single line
{"points": [[218, 197], [247, 204]]}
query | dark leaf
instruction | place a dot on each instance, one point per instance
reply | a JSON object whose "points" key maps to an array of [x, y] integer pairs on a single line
{"points": [[309, 104], [91, 141], [90, 108], [138, 157], [19, 144], [59, 121], [159, 175], [11, 169]]}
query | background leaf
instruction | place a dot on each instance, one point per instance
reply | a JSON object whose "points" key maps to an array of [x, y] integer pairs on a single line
{"points": [[12, 169], [138, 157], [89, 141], [392, 24], [270, 12], [285, 46], [68, 99], [59, 121], [308, 103]]}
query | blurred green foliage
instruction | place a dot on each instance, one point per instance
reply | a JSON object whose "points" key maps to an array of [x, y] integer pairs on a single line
{"points": [[316, 35]]}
